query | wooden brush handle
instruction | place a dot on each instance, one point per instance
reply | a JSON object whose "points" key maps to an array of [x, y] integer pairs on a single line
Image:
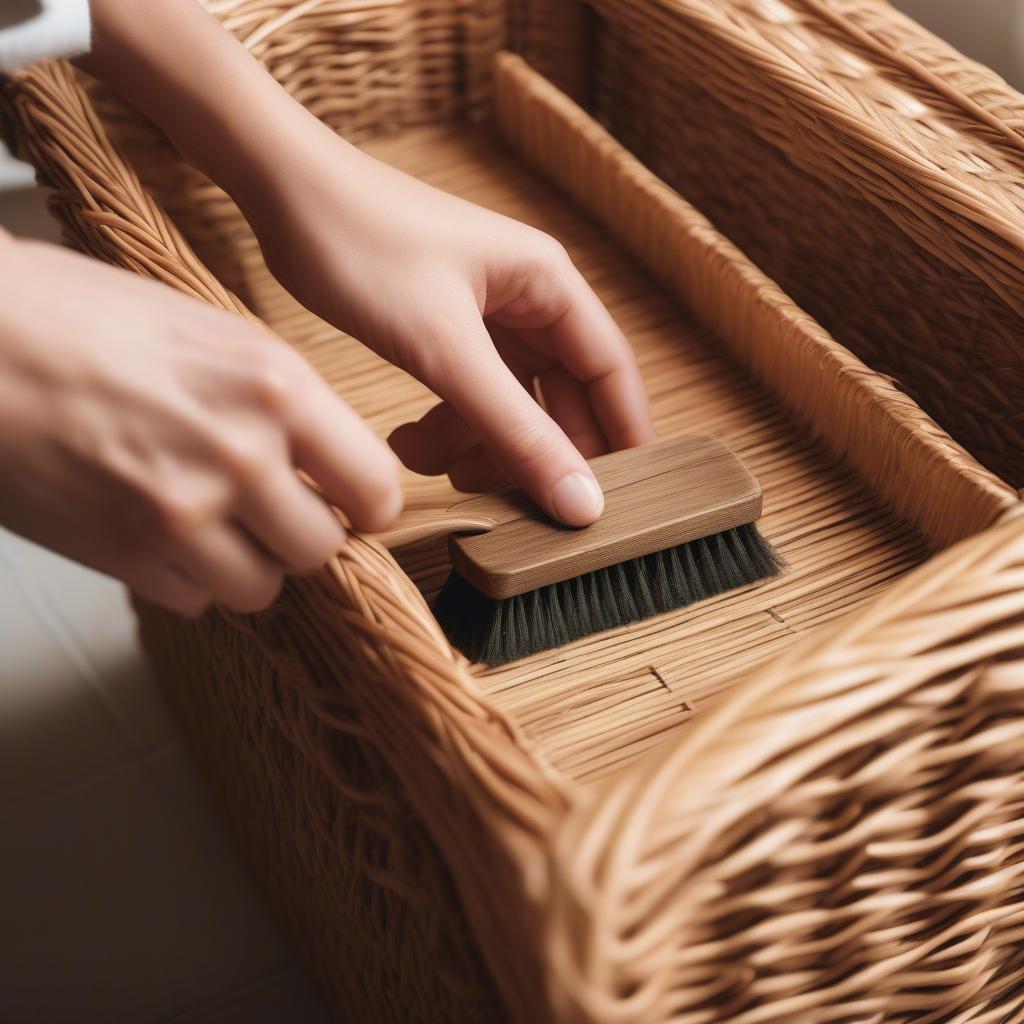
{"points": [[475, 513], [434, 524], [658, 496], [479, 513]]}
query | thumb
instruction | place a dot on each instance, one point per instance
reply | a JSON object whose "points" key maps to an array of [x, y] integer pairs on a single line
{"points": [[525, 442]]}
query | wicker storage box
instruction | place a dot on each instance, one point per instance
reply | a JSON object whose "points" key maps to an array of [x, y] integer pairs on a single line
{"points": [[801, 802]]}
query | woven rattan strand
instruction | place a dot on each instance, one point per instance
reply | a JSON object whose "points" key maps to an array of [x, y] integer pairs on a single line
{"points": [[839, 838], [843, 548], [627, 688], [860, 161]]}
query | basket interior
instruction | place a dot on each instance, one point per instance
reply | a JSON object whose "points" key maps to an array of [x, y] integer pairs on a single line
{"points": [[858, 161], [354, 824], [595, 704]]}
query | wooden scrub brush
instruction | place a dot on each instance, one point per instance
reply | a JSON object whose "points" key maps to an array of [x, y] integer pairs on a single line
{"points": [[678, 527]]}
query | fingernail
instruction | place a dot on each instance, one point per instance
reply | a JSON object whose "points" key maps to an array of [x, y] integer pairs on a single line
{"points": [[577, 500]]}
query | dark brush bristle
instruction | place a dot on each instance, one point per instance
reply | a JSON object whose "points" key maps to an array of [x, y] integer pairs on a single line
{"points": [[495, 632]]}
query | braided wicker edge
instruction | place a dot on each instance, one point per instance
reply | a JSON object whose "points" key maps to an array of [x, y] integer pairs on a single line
{"points": [[452, 750], [99, 224], [744, 124], [633, 932], [873, 773]]}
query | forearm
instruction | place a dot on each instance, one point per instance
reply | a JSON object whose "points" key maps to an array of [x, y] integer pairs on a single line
{"points": [[219, 107], [430, 282]]}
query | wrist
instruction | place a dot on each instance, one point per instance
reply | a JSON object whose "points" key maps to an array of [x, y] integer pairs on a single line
{"points": [[13, 252], [217, 104]]}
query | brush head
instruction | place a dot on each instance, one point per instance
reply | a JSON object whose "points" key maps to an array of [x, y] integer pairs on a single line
{"points": [[498, 631], [677, 528]]}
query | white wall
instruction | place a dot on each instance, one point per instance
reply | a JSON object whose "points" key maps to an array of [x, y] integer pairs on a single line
{"points": [[12, 173], [990, 31]]}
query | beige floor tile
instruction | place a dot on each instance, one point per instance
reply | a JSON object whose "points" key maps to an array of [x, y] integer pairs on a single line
{"points": [[23, 213], [126, 902], [91, 627], [284, 998], [54, 727]]}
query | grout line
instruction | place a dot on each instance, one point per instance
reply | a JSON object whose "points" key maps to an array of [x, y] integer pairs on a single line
{"points": [[55, 624], [223, 998], [110, 768]]}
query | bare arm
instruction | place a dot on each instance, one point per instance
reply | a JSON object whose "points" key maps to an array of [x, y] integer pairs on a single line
{"points": [[477, 306]]}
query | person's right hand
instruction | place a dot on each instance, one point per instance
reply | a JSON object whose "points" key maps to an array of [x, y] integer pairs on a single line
{"points": [[157, 439]]}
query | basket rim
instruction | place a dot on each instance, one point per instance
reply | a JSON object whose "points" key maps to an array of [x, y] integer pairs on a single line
{"points": [[527, 818]]}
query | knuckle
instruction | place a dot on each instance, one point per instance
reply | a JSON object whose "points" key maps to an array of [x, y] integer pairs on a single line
{"points": [[274, 376], [551, 254], [533, 443], [258, 593], [442, 326], [244, 458], [380, 499], [273, 388], [180, 512]]}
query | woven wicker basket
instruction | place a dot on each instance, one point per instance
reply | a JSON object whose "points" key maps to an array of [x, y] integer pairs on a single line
{"points": [[803, 802]]}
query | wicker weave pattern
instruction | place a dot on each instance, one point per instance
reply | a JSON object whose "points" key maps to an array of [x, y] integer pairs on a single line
{"points": [[798, 360], [365, 68], [333, 744], [597, 704], [372, 67], [344, 625], [842, 841], [863, 164], [781, 859]]}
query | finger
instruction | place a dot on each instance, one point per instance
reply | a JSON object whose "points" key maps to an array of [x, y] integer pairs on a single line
{"points": [[225, 562], [590, 345], [528, 445], [167, 587], [475, 470], [571, 324], [336, 447], [566, 399], [291, 521], [431, 444], [442, 440]]}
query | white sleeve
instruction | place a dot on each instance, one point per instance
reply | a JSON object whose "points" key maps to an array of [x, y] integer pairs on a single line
{"points": [[33, 29]]}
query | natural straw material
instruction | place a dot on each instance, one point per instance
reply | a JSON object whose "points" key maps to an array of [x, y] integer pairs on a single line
{"points": [[837, 837], [861, 162]]}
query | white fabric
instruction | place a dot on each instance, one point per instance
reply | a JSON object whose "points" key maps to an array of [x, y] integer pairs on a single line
{"points": [[33, 29]]}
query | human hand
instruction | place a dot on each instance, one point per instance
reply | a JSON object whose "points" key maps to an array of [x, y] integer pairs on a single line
{"points": [[482, 309], [477, 306], [156, 439]]}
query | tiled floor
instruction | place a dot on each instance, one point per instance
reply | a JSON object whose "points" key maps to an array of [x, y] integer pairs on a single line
{"points": [[121, 898]]}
